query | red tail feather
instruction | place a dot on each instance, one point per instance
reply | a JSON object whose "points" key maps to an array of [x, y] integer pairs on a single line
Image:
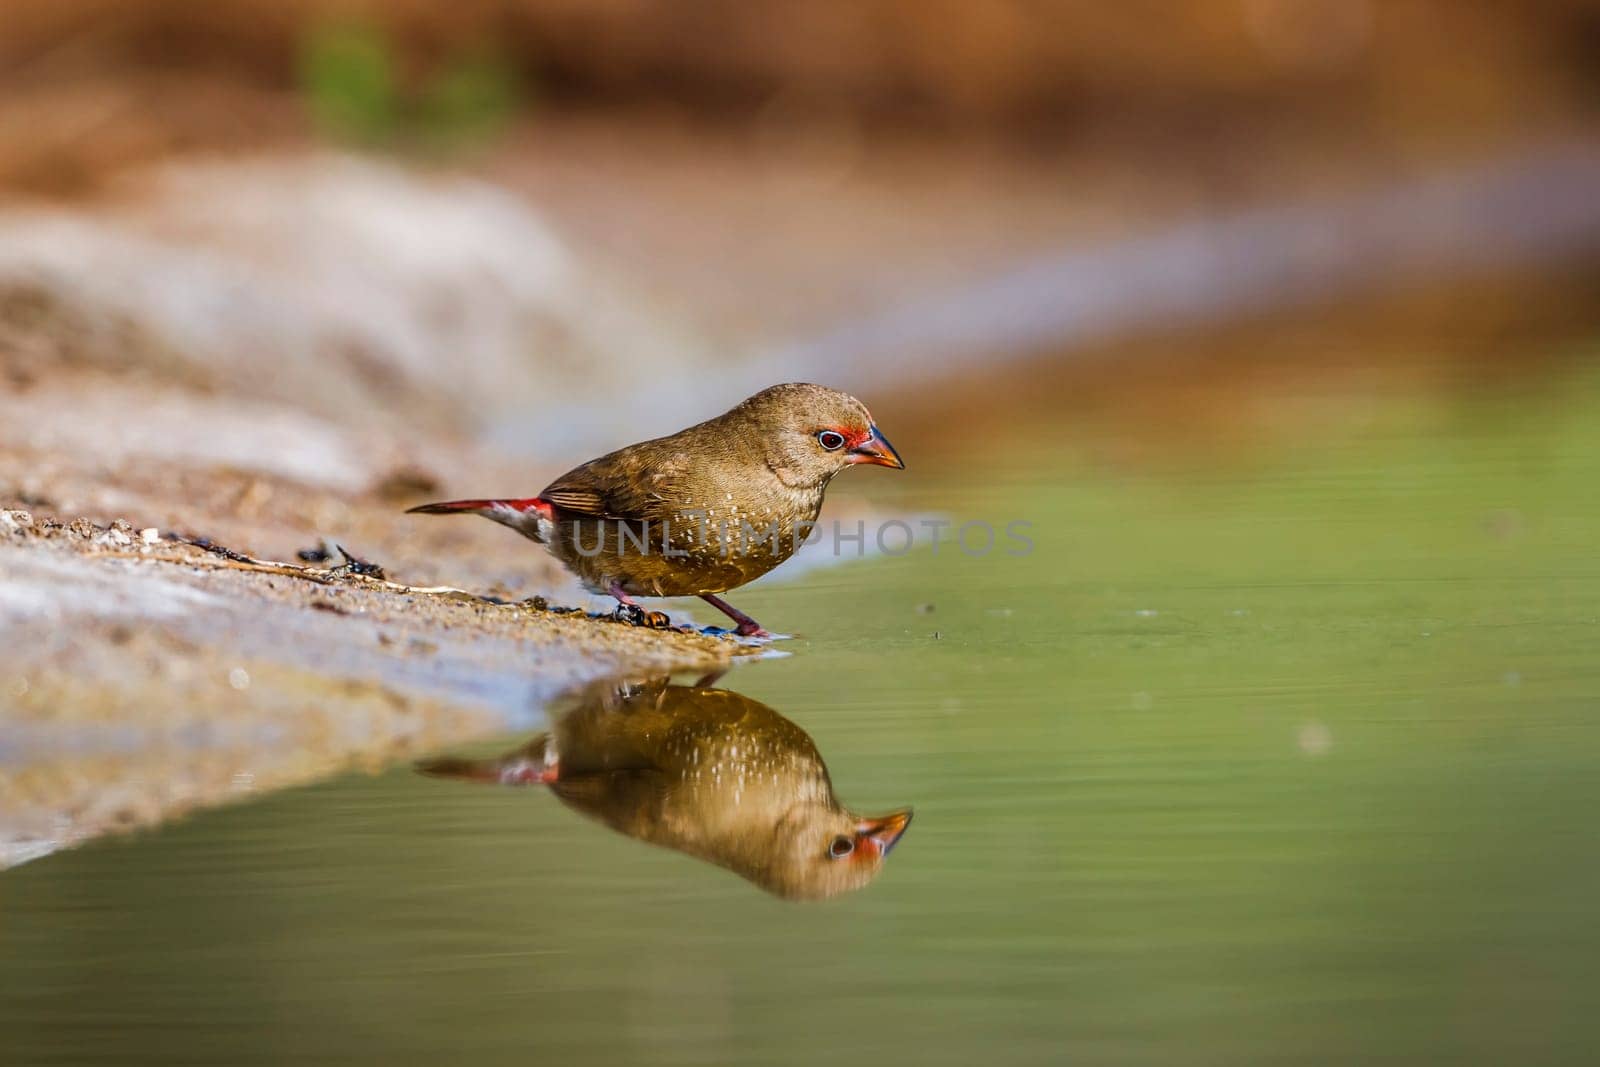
{"points": [[517, 768], [454, 507], [532, 764]]}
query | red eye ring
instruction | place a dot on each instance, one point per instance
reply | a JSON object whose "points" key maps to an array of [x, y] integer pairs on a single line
{"points": [[832, 440]]}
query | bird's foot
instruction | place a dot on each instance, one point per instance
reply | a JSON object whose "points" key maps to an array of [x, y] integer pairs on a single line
{"points": [[736, 631], [634, 615], [746, 626]]}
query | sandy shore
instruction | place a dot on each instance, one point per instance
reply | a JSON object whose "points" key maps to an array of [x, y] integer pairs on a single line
{"points": [[144, 677]]}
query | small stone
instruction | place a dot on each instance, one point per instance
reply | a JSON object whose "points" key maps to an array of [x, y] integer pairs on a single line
{"points": [[239, 678], [150, 535]]}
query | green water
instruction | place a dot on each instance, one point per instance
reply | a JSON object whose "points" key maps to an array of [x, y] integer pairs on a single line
{"points": [[1284, 758]]}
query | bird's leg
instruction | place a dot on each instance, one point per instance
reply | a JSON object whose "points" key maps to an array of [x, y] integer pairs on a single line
{"points": [[747, 627], [628, 610]]}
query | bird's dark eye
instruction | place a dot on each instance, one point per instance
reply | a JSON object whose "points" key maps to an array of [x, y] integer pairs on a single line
{"points": [[841, 847], [832, 440]]}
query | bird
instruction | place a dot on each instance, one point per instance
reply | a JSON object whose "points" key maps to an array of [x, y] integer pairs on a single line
{"points": [[704, 771], [701, 511]]}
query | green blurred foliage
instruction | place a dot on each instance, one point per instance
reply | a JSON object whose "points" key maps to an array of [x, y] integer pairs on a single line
{"points": [[350, 78], [468, 102]]}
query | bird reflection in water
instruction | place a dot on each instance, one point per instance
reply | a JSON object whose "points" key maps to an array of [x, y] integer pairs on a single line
{"points": [[707, 772]]}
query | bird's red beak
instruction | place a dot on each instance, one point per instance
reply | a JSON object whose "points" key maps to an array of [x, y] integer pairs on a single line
{"points": [[876, 449], [882, 832]]}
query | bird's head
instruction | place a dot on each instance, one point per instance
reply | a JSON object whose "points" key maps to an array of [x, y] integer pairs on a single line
{"points": [[812, 432], [825, 851]]}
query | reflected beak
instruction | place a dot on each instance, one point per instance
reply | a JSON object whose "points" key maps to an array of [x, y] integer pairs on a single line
{"points": [[885, 830], [877, 450]]}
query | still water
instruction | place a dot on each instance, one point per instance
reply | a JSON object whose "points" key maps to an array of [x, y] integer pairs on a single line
{"points": [[1288, 756]]}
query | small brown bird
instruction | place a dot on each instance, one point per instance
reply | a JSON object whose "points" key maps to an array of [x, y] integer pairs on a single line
{"points": [[704, 510], [707, 772]]}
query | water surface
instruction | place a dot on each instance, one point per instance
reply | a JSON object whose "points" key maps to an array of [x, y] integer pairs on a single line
{"points": [[1284, 757]]}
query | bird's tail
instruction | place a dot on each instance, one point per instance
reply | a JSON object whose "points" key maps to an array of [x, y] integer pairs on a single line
{"points": [[527, 517], [527, 765]]}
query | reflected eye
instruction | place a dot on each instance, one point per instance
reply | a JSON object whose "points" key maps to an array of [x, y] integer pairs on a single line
{"points": [[832, 440], [841, 847]]}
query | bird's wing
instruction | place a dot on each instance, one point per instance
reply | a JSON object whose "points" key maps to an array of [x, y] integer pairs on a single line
{"points": [[627, 484], [582, 499]]}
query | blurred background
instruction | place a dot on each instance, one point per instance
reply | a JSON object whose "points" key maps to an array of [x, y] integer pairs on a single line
{"points": [[1277, 318], [484, 218]]}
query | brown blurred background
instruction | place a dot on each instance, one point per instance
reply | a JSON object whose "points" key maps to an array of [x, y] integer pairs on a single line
{"points": [[94, 85], [577, 214]]}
